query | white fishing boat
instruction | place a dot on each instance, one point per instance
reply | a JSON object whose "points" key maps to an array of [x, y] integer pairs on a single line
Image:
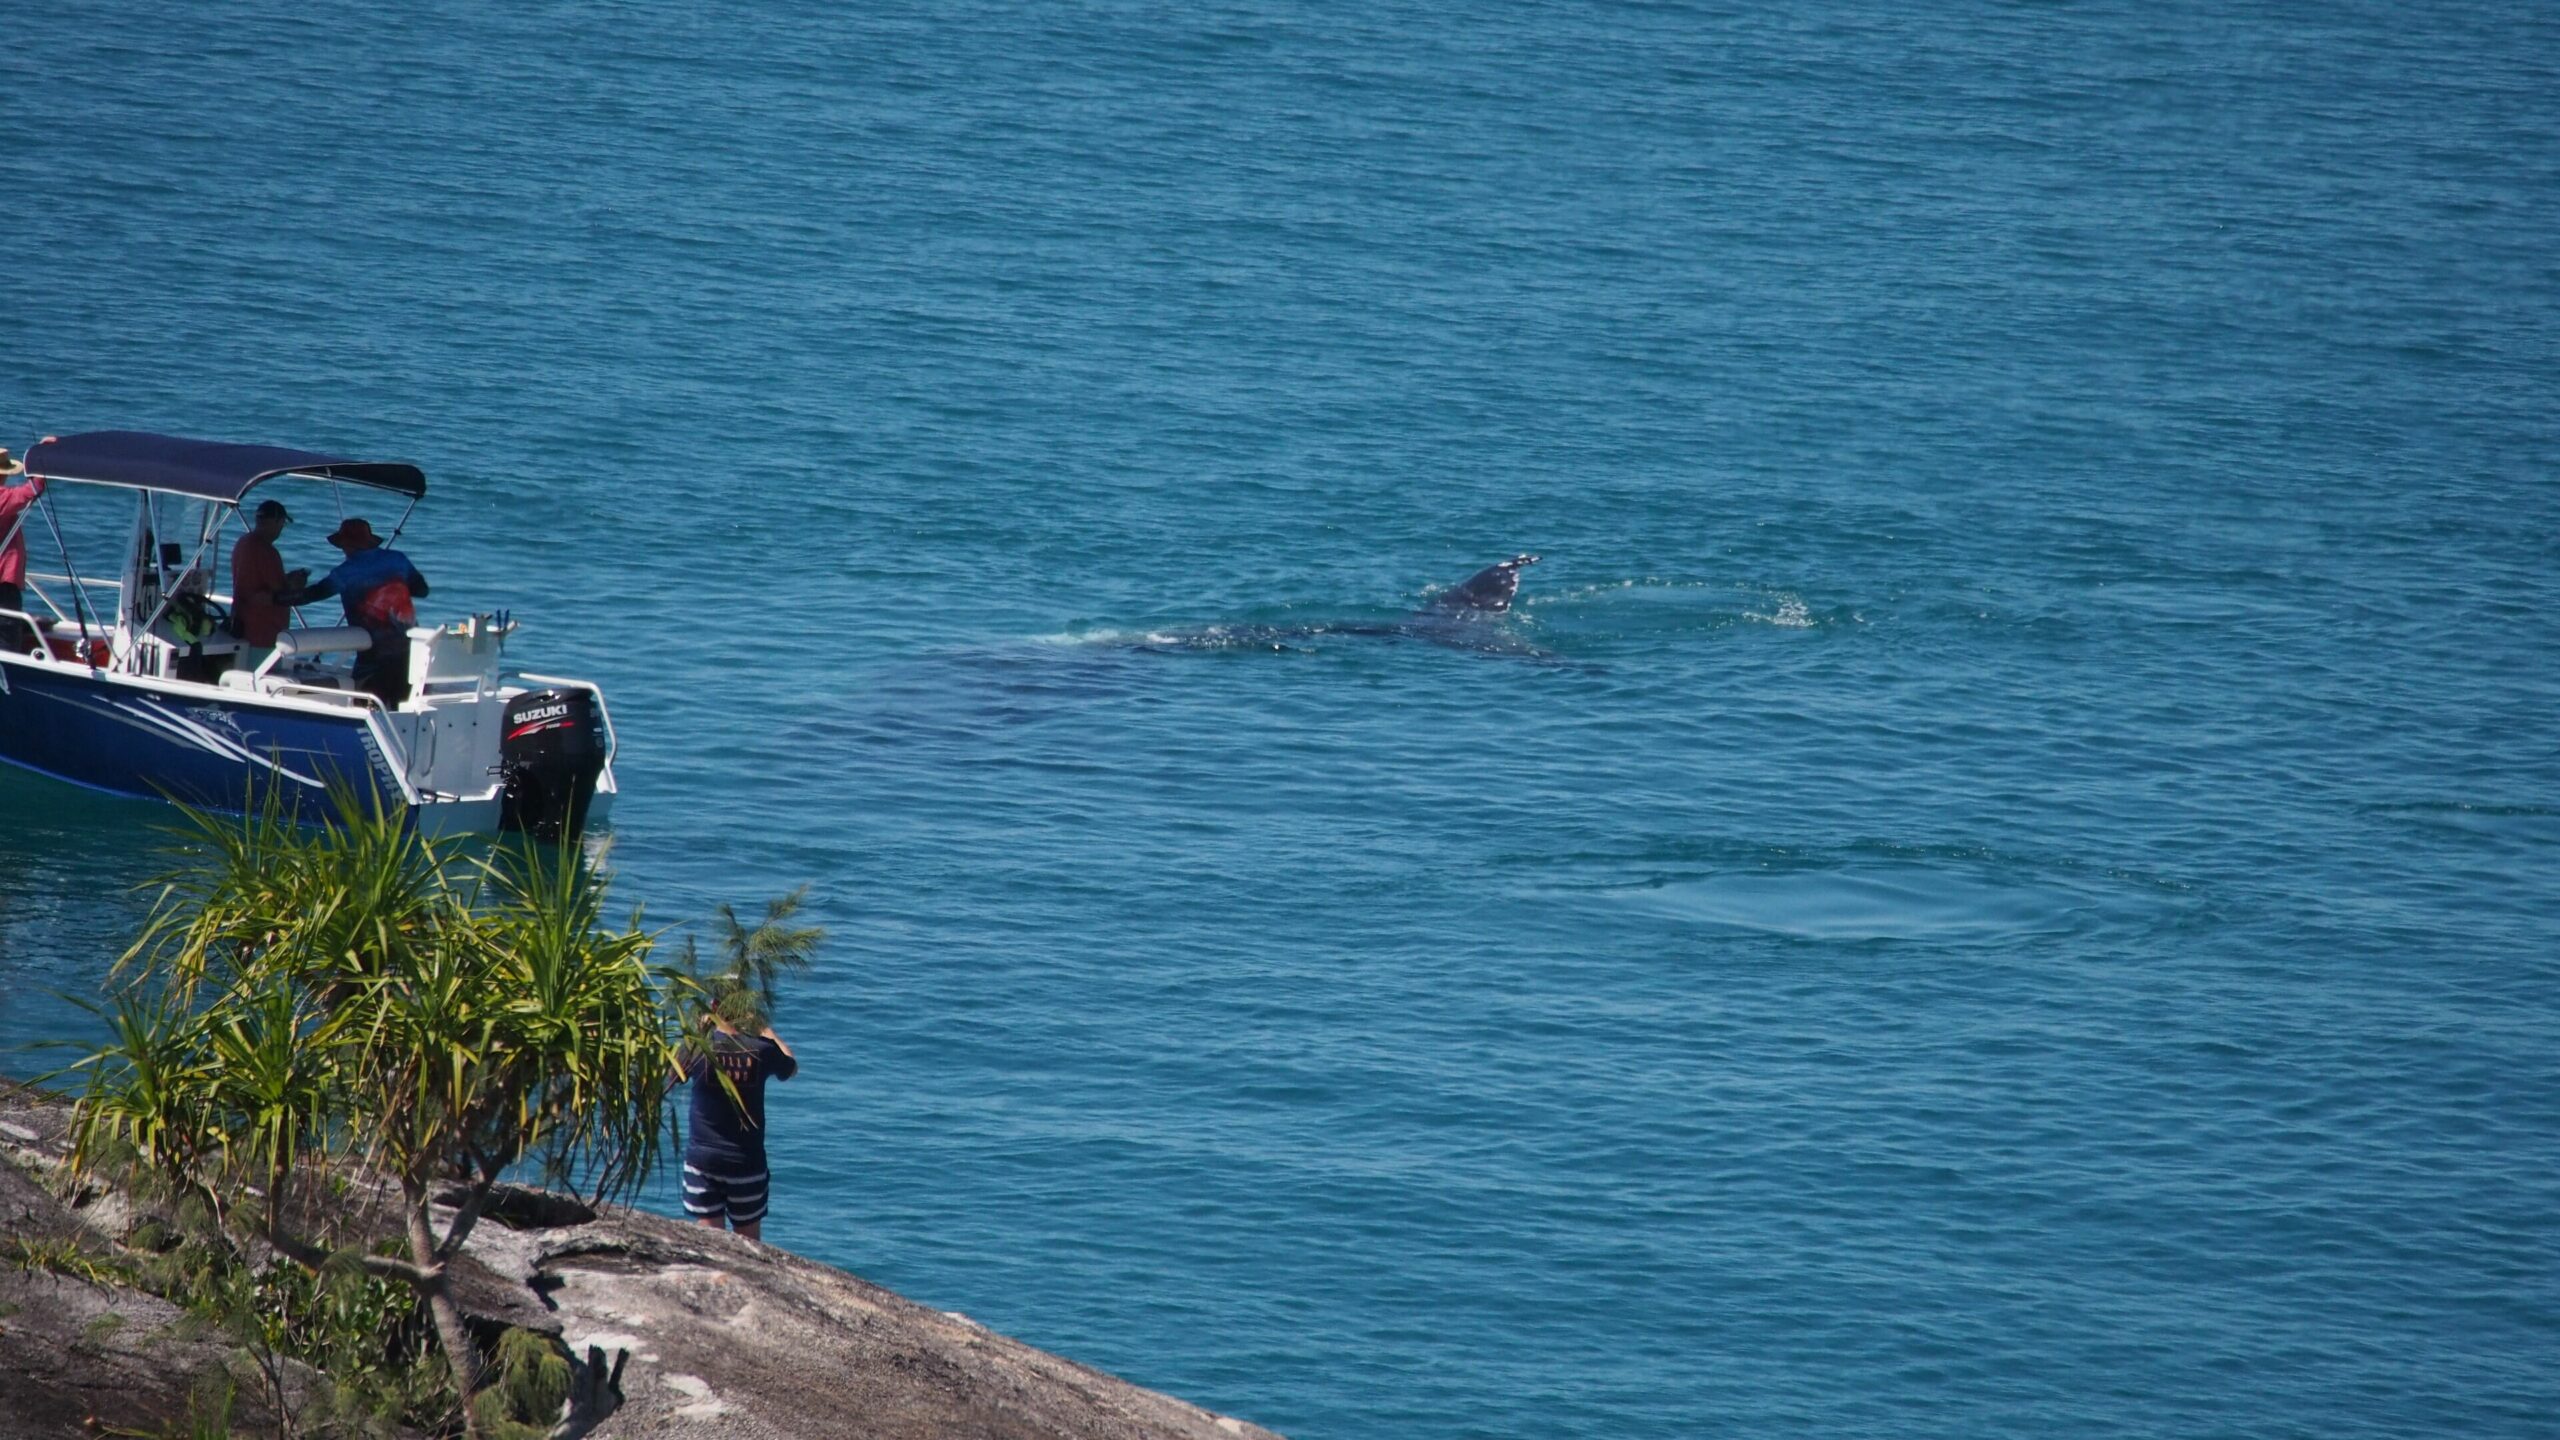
{"points": [[114, 683]]}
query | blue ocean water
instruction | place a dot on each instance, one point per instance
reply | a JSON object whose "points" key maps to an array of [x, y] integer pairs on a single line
{"points": [[2022, 902]]}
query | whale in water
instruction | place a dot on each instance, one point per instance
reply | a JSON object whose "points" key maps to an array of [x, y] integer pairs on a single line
{"points": [[1486, 592], [1461, 617]]}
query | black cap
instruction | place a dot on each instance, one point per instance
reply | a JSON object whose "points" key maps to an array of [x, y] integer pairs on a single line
{"points": [[273, 507]]}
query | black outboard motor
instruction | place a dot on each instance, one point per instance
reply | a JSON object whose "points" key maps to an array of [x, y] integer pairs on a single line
{"points": [[549, 756]]}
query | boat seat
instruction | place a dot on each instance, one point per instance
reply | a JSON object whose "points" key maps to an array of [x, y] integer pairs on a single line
{"points": [[324, 640]]}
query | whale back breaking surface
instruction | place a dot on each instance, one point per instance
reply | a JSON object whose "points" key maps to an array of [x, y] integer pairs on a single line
{"points": [[1487, 592], [1447, 619]]}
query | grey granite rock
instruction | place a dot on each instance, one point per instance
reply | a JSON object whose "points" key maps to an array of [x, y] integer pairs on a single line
{"points": [[76, 1355], [676, 1330], [715, 1335]]}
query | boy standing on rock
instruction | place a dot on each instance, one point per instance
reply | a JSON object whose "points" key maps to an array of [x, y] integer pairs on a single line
{"points": [[724, 1165]]}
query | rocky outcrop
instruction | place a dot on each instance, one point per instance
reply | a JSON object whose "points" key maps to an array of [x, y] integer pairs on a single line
{"points": [[712, 1335], [675, 1330], [78, 1353]]}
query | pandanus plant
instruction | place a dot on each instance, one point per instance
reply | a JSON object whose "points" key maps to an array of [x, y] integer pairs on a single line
{"points": [[311, 1005], [743, 981]]}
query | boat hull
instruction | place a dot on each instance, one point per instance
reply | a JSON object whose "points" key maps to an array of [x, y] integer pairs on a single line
{"points": [[131, 736]]}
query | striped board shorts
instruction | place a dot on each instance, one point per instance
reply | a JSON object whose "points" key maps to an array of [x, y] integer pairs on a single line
{"points": [[740, 1196]]}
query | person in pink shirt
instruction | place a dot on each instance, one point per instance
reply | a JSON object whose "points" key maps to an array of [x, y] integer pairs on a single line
{"points": [[14, 503]]}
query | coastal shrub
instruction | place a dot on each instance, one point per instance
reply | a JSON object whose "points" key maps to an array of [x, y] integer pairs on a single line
{"points": [[154, 1235], [68, 1256], [323, 1031], [209, 1407], [368, 1336], [530, 1385]]}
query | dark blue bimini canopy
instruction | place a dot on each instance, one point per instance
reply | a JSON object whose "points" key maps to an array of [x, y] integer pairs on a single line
{"points": [[205, 469]]}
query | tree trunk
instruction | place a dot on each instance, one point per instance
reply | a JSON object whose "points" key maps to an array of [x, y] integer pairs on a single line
{"points": [[458, 1349]]}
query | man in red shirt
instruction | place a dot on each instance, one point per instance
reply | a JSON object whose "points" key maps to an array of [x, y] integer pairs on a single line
{"points": [[14, 503], [258, 615]]}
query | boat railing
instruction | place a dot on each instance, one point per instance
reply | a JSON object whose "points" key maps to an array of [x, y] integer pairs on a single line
{"points": [[35, 629], [91, 583], [258, 683], [324, 694], [103, 622], [450, 687], [51, 636]]}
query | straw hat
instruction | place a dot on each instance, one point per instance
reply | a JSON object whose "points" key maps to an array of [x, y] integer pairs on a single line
{"points": [[10, 464]]}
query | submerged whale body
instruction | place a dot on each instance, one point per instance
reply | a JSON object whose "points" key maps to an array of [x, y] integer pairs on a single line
{"points": [[1458, 617]]}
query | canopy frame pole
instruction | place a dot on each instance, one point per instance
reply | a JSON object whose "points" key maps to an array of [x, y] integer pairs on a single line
{"points": [[142, 558], [70, 572], [403, 523]]}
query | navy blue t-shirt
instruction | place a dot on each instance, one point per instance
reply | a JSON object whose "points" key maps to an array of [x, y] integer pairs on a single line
{"points": [[720, 1135]]}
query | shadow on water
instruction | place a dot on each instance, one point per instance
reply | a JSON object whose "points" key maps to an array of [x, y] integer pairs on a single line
{"points": [[1970, 898], [73, 864], [1482, 635], [1903, 903]]}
